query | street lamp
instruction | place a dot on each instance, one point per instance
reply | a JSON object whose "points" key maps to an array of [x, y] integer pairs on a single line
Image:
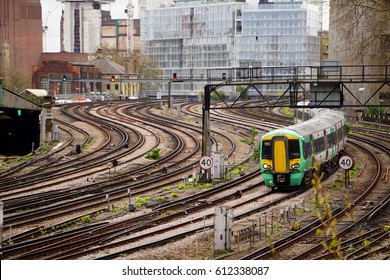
{"points": [[359, 100], [361, 94]]}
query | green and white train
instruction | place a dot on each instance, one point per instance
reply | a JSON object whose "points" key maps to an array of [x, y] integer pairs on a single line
{"points": [[287, 155]]}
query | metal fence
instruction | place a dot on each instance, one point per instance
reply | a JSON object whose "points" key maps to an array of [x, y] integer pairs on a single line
{"points": [[383, 119]]}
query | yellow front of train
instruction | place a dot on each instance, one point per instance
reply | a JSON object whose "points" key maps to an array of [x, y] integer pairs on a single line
{"points": [[281, 158]]}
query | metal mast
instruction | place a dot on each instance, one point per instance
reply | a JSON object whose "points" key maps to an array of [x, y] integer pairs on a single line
{"points": [[130, 28]]}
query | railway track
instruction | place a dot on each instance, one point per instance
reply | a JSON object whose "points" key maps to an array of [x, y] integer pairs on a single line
{"points": [[94, 191], [344, 221], [149, 180], [62, 209], [111, 116]]}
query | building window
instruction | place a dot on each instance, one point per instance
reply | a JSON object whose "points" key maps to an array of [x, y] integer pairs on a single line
{"points": [[44, 84]]}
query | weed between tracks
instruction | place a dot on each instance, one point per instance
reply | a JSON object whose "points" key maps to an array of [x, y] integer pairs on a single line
{"points": [[168, 193], [324, 214]]}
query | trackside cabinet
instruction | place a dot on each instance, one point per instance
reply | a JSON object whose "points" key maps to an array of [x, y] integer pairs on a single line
{"points": [[223, 224]]}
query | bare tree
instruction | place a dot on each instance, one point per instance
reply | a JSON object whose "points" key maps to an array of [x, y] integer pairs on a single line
{"points": [[109, 53], [360, 31], [147, 68], [14, 80], [142, 65]]}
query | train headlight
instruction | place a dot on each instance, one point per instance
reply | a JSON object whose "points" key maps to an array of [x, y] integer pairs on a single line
{"points": [[295, 166], [266, 166]]}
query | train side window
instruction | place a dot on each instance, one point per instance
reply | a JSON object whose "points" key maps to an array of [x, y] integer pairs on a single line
{"points": [[315, 145], [293, 149], [307, 149], [266, 150], [319, 145], [339, 134], [343, 131]]}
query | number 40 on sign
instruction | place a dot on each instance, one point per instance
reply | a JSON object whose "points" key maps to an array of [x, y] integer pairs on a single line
{"points": [[346, 162], [206, 162]]}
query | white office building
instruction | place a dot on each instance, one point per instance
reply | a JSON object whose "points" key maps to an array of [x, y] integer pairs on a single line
{"points": [[81, 25], [188, 37]]}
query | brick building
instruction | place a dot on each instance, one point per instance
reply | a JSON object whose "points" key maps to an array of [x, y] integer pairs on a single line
{"points": [[20, 35], [55, 67]]}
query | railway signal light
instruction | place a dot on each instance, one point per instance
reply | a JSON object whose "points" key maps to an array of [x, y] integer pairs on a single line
{"points": [[175, 78]]}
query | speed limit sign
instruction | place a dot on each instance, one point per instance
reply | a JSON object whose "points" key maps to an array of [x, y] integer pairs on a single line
{"points": [[206, 162], [346, 162]]}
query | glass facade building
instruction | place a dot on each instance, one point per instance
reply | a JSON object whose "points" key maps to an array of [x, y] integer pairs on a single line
{"points": [[193, 36], [185, 39], [281, 34]]}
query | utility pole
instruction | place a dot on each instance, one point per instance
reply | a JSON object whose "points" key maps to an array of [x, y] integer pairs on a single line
{"points": [[169, 95], [206, 142]]}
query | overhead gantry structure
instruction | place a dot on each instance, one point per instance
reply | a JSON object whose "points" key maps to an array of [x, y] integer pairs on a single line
{"points": [[322, 87]]}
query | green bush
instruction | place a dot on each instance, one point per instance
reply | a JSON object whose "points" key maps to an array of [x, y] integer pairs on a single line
{"points": [[153, 154]]}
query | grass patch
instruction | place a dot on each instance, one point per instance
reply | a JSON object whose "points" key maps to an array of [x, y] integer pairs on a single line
{"points": [[204, 186], [141, 201], [86, 219], [87, 146], [334, 185], [117, 209], [239, 169], [174, 194], [184, 187], [287, 111]]}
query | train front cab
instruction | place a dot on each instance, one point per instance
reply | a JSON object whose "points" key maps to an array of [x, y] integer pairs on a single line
{"points": [[281, 160]]}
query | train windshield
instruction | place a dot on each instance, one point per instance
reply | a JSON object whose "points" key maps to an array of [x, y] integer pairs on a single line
{"points": [[266, 150], [293, 149]]}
